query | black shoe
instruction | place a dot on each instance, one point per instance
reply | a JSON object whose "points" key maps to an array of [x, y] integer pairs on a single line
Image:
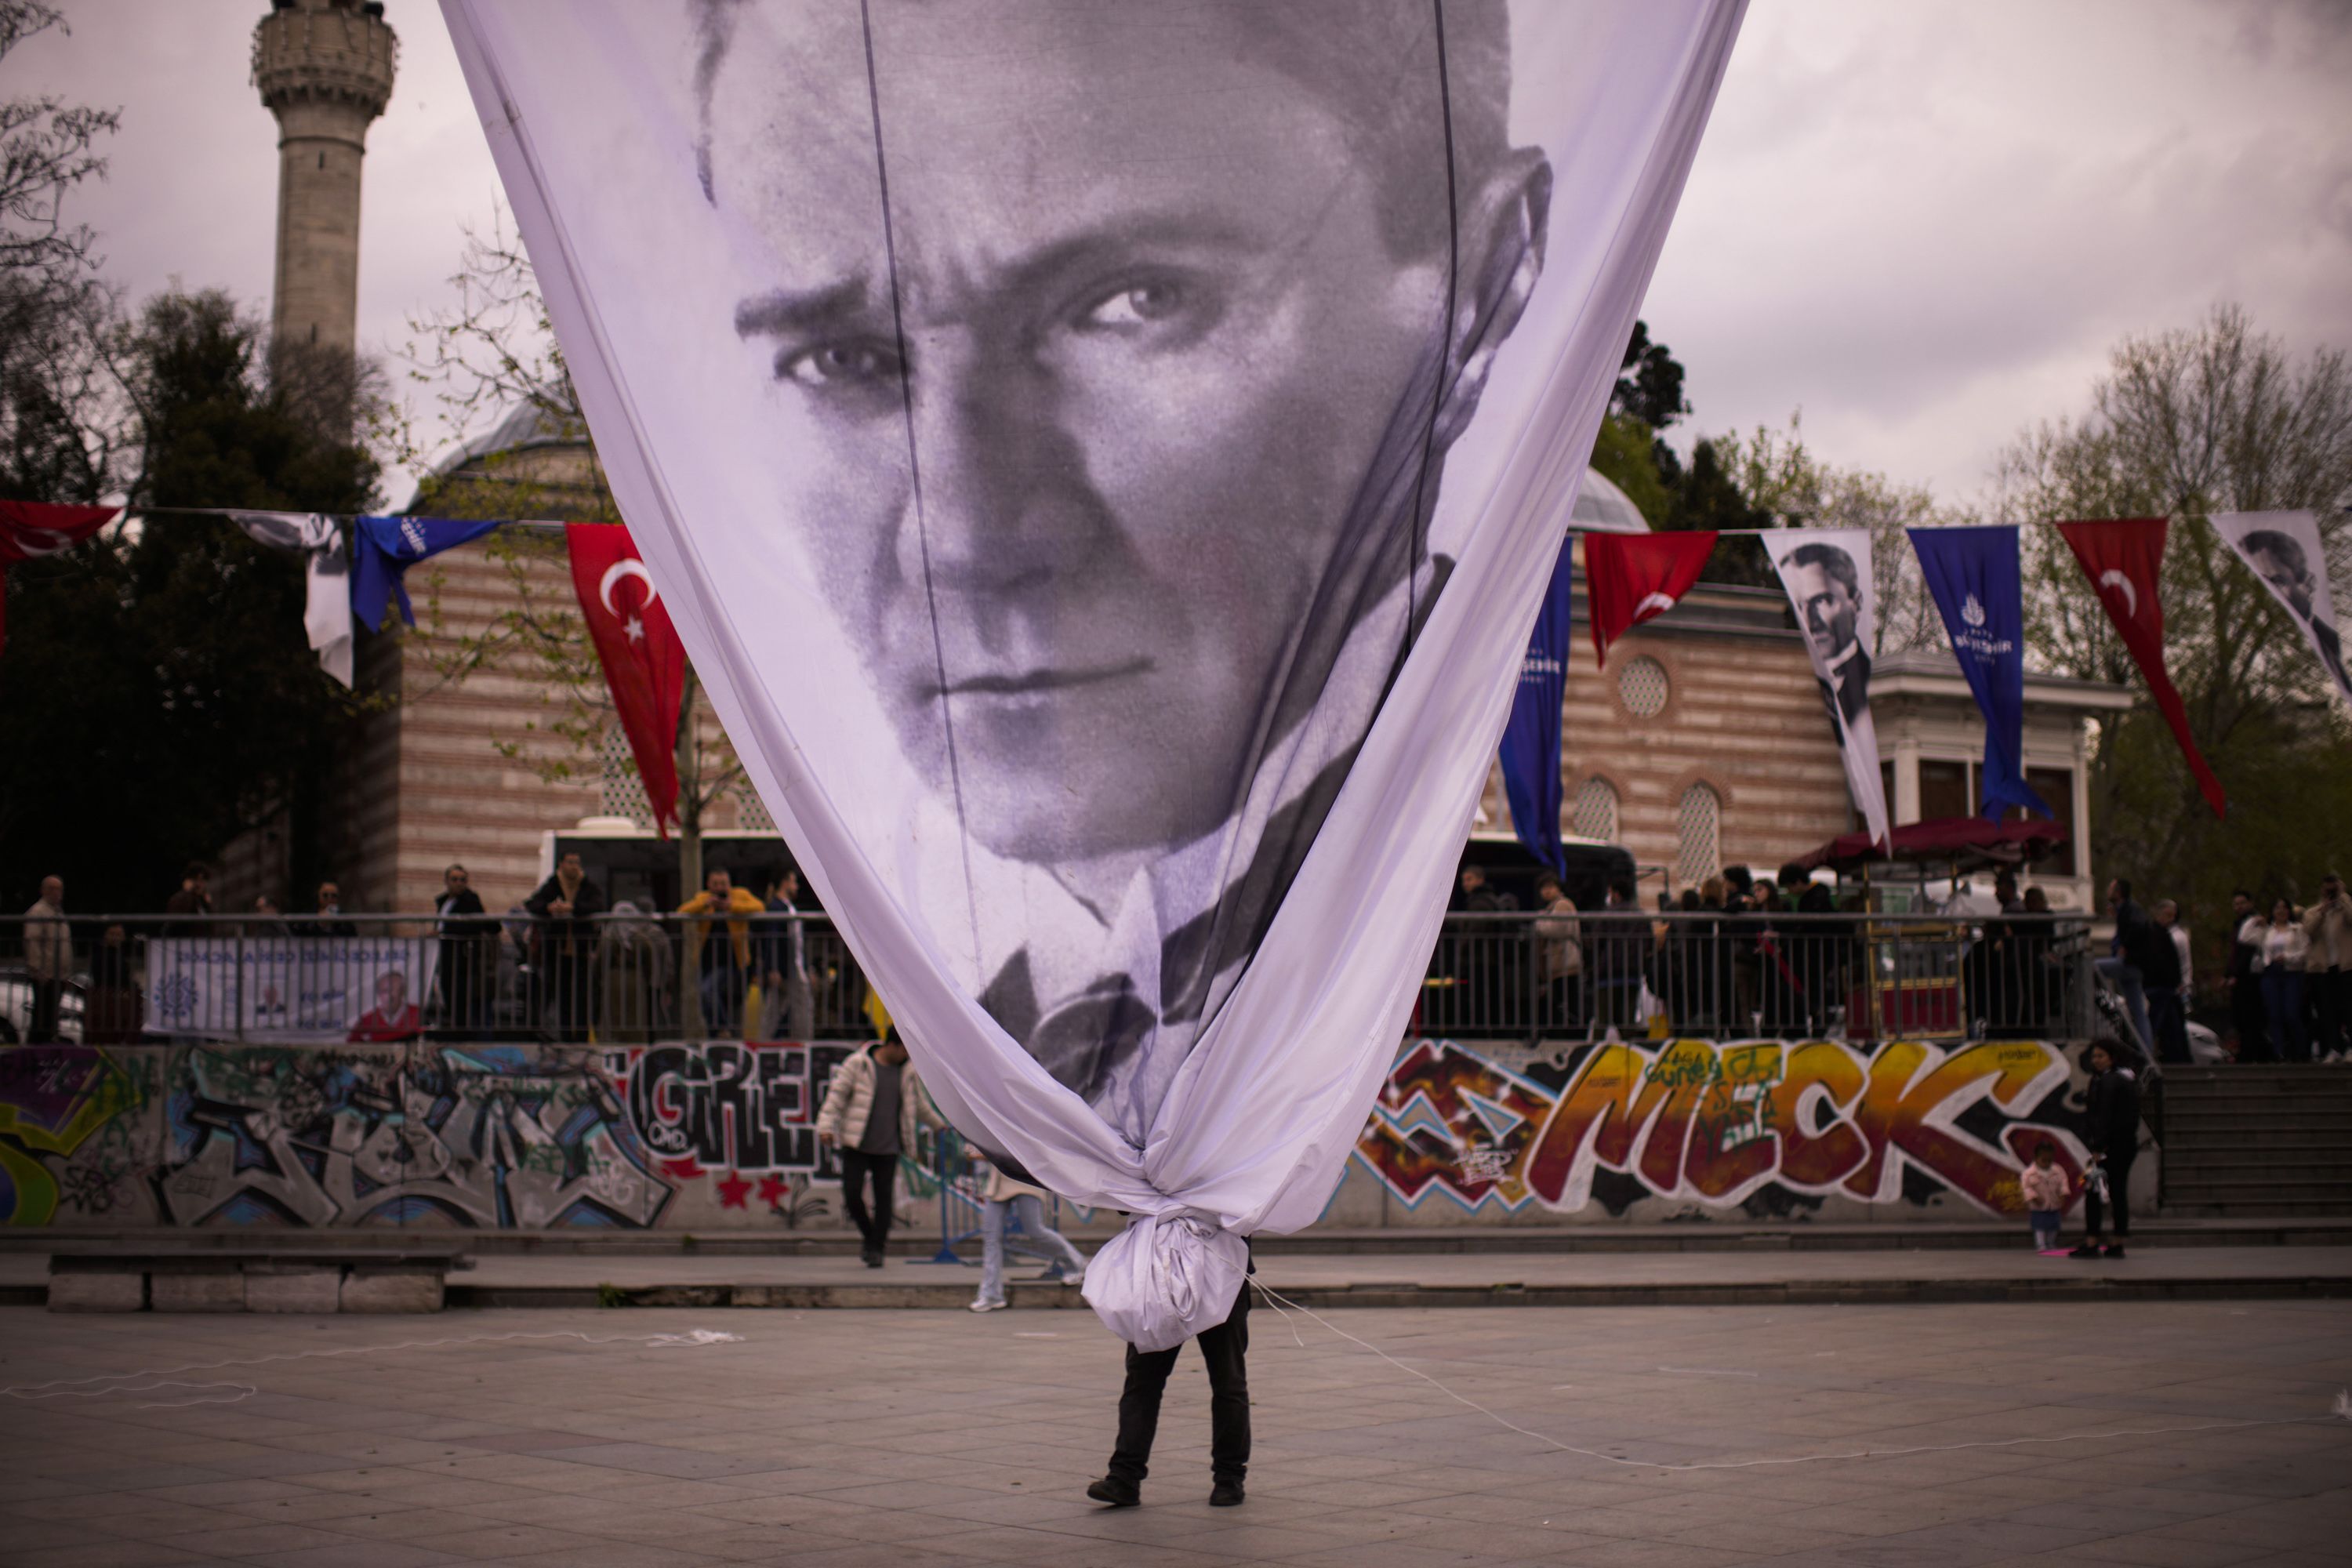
{"points": [[1117, 1492], [2115, 1250], [873, 1257], [1226, 1494], [2088, 1250]]}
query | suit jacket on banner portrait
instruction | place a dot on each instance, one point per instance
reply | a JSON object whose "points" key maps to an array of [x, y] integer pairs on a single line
{"points": [[1105, 474]]}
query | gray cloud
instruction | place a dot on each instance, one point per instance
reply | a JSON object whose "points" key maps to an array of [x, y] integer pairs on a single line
{"points": [[1925, 223]]}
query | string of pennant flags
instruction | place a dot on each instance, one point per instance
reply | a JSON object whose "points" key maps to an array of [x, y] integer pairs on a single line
{"points": [[355, 569]]}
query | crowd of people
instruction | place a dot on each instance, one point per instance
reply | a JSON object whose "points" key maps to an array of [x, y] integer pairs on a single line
{"points": [[1737, 956], [2287, 982], [563, 965]]}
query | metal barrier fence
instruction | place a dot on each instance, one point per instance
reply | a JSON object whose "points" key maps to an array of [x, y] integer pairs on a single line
{"points": [[634, 979], [1727, 976]]}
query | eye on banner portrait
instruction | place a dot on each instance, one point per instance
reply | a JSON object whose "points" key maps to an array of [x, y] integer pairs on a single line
{"points": [[1104, 463]]}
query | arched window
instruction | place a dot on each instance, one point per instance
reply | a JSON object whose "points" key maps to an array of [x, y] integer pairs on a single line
{"points": [[1698, 822], [1594, 813]]}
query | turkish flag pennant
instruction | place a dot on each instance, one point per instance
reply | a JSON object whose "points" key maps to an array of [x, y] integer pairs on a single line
{"points": [[644, 664], [1635, 577], [30, 528], [2124, 559]]}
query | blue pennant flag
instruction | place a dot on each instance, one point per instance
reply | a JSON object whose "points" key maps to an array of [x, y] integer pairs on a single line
{"points": [[1531, 740], [1973, 574], [384, 548]]}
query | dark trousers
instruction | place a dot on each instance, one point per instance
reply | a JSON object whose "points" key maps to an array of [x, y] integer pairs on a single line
{"points": [[2331, 997], [2246, 1012], [2118, 1192], [1227, 1349], [2167, 1013], [856, 1170], [49, 999]]}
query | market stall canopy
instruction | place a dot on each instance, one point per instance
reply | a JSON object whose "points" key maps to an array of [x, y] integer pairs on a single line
{"points": [[1967, 842]]}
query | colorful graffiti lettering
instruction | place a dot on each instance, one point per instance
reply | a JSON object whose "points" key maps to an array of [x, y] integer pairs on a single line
{"points": [[68, 1116], [742, 1114], [1716, 1125], [479, 1138], [725, 1106]]}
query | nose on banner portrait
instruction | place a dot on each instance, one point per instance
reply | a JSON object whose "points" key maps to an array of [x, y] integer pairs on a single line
{"points": [[1103, 461]]}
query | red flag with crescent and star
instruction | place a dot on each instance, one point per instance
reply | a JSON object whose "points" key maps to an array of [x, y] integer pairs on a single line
{"points": [[644, 664], [2124, 559], [1635, 577], [31, 527]]}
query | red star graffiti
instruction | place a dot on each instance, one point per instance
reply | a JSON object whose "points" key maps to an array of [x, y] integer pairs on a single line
{"points": [[733, 1190], [774, 1190]]}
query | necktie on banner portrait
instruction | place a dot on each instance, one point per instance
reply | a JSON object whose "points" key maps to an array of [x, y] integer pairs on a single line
{"points": [[32, 528], [1979, 589], [1104, 473], [2124, 559], [327, 578], [1826, 573], [1630, 578], [1530, 754], [2284, 549], [384, 548], [644, 664]]}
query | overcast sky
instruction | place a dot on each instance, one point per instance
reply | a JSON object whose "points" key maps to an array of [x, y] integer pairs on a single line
{"points": [[1925, 223]]}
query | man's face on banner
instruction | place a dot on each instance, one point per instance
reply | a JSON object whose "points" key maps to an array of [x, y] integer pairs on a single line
{"points": [[1155, 325], [2283, 569], [1827, 607]]}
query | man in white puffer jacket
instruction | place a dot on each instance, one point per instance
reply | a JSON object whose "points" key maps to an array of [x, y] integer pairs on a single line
{"points": [[872, 1109]]}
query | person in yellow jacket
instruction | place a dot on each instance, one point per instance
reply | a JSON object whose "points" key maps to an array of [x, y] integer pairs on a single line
{"points": [[726, 966], [872, 1108]]}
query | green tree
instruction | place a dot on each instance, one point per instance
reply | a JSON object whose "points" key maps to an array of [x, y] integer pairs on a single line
{"points": [[61, 426], [2185, 424], [161, 667]]}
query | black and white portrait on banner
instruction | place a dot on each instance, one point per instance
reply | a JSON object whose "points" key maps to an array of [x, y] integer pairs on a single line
{"points": [[1115, 442], [1826, 573], [2284, 550], [1103, 459]]}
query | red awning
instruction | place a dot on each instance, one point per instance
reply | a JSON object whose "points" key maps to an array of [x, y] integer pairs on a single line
{"points": [[1971, 841]]}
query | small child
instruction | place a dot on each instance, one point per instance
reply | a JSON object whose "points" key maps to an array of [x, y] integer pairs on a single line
{"points": [[2045, 1186]]}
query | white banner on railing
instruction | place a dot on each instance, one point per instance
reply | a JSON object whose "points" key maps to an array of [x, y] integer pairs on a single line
{"points": [[1104, 461], [289, 990]]}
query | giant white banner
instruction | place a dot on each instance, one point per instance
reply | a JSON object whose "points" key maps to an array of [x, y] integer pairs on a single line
{"points": [[1104, 461]]}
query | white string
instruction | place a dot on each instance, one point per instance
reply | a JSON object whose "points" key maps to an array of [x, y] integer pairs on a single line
{"points": [[2342, 1410], [73, 1387]]}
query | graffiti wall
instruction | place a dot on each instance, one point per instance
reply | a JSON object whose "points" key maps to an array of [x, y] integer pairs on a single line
{"points": [[413, 1136], [1760, 1129], [719, 1135]]}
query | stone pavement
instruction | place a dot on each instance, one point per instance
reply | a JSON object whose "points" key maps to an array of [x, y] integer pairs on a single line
{"points": [[845, 1439]]}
